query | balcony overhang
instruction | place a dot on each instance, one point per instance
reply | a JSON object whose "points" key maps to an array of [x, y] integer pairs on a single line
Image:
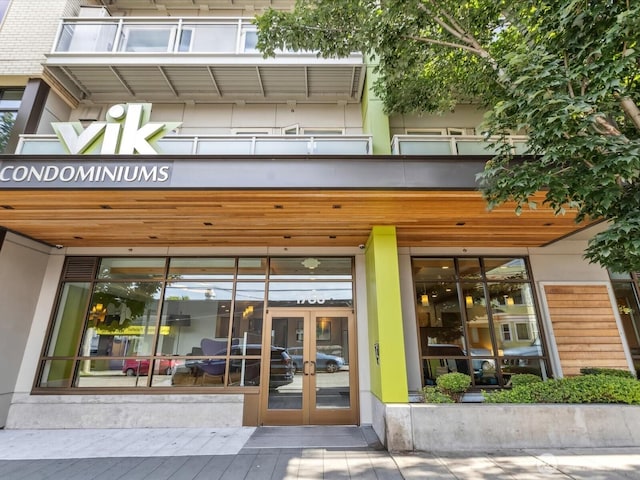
{"points": [[121, 77], [268, 201]]}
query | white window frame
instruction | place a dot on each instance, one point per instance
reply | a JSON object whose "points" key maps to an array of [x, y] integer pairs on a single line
{"points": [[506, 332], [456, 131], [526, 325], [291, 130], [250, 131], [313, 132], [426, 131]]}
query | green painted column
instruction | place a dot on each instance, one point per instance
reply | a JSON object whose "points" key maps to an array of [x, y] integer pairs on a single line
{"points": [[386, 338], [374, 121]]}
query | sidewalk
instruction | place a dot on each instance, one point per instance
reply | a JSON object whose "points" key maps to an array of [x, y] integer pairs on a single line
{"points": [[280, 453]]}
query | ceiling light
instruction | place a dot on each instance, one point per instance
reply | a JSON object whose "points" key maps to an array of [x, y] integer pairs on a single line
{"points": [[311, 263]]}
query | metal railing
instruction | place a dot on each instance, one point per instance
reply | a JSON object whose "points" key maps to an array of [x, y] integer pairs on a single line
{"points": [[227, 145], [451, 145]]}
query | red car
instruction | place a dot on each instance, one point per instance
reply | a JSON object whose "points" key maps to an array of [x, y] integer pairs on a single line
{"points": [[132, 367]]}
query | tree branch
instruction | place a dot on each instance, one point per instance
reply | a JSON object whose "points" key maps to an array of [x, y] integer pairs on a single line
{"points": [[452, 30], [607, 128], [472, 44], [441, 42], [566, 67], [631, 109]]}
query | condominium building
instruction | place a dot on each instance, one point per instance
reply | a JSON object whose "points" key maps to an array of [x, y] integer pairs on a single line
{"points": [[192, 234]]}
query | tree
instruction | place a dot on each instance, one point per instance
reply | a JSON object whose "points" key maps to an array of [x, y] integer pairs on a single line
{"points": [[565, 72], [7, 119]]}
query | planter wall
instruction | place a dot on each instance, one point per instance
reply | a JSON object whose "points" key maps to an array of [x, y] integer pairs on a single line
{"points": [[483, 427]]}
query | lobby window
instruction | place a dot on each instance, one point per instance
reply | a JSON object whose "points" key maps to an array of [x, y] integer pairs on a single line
{"points": [[9, 104], [477, 315], [148, 323], [626, 288]]}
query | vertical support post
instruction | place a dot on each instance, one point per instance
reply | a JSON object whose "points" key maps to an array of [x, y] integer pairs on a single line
{"points": [[386, 337]]}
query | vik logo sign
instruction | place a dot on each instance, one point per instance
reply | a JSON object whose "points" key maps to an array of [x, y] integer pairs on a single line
{"points": [[126, 131]]}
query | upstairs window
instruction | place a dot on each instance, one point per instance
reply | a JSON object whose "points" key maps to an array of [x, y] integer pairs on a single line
{"points": [[9, 104]]}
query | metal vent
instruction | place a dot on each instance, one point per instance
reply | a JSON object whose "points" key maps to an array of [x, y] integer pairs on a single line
{"points": [[80, 268]]}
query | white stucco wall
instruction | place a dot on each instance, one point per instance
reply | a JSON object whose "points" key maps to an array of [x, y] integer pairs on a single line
{"points": [[22, 268], [468, 117], [228, 118], [563, 260]]}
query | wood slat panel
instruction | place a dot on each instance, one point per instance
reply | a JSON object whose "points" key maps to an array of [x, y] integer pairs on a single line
{"points": [[584, 327], [585, 324], [588, 347], [273, 218]]}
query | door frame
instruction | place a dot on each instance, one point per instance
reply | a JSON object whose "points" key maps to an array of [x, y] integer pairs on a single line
{"points": [[304, 416]]}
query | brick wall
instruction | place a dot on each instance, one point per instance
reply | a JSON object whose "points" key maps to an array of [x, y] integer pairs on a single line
{"points": [[28, 32]]}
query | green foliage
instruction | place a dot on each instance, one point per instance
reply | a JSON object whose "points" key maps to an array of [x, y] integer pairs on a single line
{"points": [[433, 395], [565, 72], [607, 371], [580, 389], [7, 119], [454, 384], [524, 379]]}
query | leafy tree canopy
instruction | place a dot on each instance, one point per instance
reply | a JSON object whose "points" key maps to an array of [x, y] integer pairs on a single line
{"points": [[565, 72]]}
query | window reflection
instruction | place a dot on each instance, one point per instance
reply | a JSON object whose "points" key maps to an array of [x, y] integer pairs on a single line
{"points": [[178, 322], [514, 315], [625, 287], [476, 316], [10, 100]]}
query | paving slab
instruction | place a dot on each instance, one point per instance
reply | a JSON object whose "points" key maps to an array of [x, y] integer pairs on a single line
{"points": [[283, 453]]}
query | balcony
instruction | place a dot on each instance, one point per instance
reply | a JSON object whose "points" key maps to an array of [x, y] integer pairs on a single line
{"points": [[227, 145], [451, 145], [118, 59]]}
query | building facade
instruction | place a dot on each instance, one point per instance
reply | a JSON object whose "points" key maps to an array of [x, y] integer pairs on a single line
{"points": [[194, 235]]}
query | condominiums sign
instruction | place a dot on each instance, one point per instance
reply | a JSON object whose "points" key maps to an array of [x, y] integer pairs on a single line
{"points": [[126, 131], [77, 173]]}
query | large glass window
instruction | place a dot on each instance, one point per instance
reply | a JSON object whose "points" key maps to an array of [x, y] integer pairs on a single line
{"points": [[9, 104], [626, 288], [477, 316], [153, 322]]}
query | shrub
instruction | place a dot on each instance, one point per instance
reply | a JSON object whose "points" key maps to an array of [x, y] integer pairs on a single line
{"points": [[580, 389], [453, 384], [606, 371], [524, 379], [433, 395]]}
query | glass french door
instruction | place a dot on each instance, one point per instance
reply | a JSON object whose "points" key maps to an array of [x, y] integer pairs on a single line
{"points": [[319, 346]]}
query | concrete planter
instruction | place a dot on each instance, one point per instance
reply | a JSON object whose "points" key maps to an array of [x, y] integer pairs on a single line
{"points": [[483, 427]]}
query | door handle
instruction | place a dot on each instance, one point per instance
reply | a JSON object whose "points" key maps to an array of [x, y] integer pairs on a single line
{"points": [[314, 368], [304, 368]]}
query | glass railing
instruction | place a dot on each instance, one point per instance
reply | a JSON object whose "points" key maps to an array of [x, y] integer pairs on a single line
{"points": [[156, 35], [451, 145], [227, 145]]}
